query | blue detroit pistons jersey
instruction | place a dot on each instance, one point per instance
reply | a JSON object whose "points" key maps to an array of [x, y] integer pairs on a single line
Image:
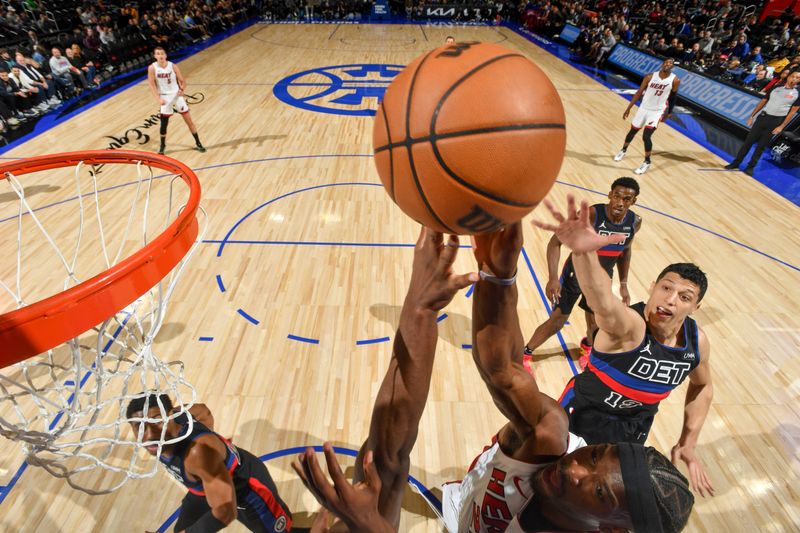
{"points": [[635, 382], [175, 464], [609, 255]]}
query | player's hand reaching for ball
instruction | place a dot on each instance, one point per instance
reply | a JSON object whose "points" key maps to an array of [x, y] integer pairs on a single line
{"points": [[498, 252], [355, 504], [433, 282], [574, 230]]}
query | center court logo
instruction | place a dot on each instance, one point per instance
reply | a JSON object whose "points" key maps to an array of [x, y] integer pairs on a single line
{"points": [[352, 90]]}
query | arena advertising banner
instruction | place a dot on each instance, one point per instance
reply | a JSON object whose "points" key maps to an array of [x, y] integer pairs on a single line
{"points": [[444, 11], [724, 100], [569, 33]]}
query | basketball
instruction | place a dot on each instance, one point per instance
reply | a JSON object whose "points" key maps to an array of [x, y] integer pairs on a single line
{"points": [[469, 137]]}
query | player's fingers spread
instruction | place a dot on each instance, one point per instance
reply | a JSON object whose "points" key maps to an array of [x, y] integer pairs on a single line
{"points": [[615, 239], [584, 212], [553, 211], [544, 225], [297, 466], [448, 255], [320, 482], [333, 467]]}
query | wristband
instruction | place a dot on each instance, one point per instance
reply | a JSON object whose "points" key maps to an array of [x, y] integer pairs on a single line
{"points": [[498, 281]]}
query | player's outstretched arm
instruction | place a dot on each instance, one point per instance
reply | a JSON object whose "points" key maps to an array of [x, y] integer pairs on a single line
{"points": [[699, 395], [404, 391], [496, 334], [575, 231]]}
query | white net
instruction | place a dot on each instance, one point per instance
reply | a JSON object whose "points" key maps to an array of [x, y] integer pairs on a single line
{"points": [[68, 406]]}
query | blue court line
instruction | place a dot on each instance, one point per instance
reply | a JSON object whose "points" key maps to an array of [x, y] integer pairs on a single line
{"points": [[205, 339], [198, 169], [297, 450], [248, 317], [302, 339], [265, 204], [219, 283], [549, 310], [372, 341], [441, 317], [226, 240], [470, 291], [466, 346]]}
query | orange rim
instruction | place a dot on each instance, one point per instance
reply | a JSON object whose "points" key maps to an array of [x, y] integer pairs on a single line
{"points": [[45, 324]]}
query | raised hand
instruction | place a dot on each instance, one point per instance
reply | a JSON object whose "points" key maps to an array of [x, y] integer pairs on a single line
{"points": [[433, 282], [498, 252], [356, 505], [574, 230], [697, 474]]}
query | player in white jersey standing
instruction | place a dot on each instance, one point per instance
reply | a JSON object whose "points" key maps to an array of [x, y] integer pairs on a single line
{"points": [[167, 85], [658, 93]]}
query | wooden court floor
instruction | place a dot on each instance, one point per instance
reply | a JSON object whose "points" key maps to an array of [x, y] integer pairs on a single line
{"points": [[315, 250]]}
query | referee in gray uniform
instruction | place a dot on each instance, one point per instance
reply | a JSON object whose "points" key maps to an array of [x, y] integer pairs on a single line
{"points": [[777, 109]]}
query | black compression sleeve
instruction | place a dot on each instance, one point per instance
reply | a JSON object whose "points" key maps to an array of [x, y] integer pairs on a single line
{"points": [[208, 523]]}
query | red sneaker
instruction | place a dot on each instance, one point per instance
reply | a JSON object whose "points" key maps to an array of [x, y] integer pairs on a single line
{"points": [[586, 350]]}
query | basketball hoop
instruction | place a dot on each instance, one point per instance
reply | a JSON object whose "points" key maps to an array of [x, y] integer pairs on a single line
{"points": [[71, 359]]}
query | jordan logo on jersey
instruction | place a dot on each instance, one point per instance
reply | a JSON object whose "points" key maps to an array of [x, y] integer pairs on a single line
{"points": [[647, 349], [493, 512]]}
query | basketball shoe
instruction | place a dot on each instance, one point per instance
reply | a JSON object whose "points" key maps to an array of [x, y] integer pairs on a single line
{"points": [[619, 155], [642, 168]]}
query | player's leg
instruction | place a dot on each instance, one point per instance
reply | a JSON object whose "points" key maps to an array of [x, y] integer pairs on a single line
{"points": [[261, 508], [647, 137], [554, 323], [163, 130], [636, 125], [193, 507], [183, 109], [570, 292]]}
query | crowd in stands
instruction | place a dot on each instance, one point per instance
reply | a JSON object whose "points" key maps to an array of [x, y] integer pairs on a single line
{"points": [[51, 51], [722, 39]]}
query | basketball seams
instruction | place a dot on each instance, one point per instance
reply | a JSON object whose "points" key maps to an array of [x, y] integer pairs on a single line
{"points": [[433, 137], [391, 156], [478, 131], [408, 144]]}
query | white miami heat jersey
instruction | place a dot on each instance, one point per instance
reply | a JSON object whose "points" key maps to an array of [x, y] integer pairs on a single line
{"points": [[492, 493], [657, 92], [165, 78]]}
